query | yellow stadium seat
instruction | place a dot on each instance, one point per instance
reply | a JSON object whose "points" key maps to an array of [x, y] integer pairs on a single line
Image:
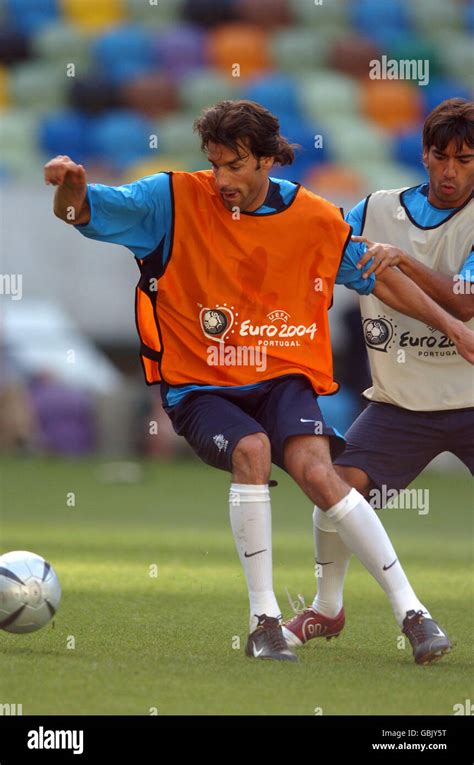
{"points": [[93, 14], [162, 164], [4, 91]]}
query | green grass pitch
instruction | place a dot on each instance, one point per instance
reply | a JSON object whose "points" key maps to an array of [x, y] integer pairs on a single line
{"points": [[125, 642]]}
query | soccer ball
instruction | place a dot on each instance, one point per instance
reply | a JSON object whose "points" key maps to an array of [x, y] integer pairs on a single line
{"points": [[29, 592]]}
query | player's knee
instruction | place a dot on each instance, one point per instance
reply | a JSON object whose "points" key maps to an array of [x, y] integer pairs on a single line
{"points": [[355, 477], [251, 459], [317, 476]]}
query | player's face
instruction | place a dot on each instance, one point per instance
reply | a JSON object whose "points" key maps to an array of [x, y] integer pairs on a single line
{"points": [[451, 174], [240, 181]]}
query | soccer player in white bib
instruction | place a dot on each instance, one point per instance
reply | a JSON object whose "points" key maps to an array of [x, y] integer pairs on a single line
{"points": [[422, 396]]}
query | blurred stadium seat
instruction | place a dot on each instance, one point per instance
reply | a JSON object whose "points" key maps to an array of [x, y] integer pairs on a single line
{"points": [[407, 148], [277, 92], [181, 49], [125, 129], [29, 17], [38, 85], [297, 49], [151, 94], [125, 52], [439, 90], [4, 88], [391, 104], [93, 14], [66, 132], [239, 45]]}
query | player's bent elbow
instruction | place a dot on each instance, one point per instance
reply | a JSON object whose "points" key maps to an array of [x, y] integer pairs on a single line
{"points": [[466, 314]]}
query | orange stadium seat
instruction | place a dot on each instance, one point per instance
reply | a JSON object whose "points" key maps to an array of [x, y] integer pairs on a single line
{"points": [[335, 180], [241, 44], [392, 104]]}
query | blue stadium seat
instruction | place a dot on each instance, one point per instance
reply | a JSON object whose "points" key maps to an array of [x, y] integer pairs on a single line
{"points": [[469, 17], [29, 16], [277, 92], [307, 156], [65, 132], [367, 14], [304, 132], [121, 138], [439, 90], [407, 148], [378, 20], [124, 52]]}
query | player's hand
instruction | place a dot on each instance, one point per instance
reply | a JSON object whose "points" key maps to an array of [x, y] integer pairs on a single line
{"points": [[384, 256], [463, 338], [62, 171]]}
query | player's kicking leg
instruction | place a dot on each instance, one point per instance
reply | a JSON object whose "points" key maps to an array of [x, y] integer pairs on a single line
{"points": [[345, 525], [250, 515], [223, 435]]}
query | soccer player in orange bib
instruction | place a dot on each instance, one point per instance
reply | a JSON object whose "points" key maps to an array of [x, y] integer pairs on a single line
{"points": [[237, 271]]}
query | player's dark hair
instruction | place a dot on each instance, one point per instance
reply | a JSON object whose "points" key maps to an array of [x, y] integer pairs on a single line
{"points": [[231, 123], [451, 120]]}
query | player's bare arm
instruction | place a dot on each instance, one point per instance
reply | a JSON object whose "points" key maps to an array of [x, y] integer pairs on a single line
{"points": [[70, 199], [439, 287], [401, 293]]}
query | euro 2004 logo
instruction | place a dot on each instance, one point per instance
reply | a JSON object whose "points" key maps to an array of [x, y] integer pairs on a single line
{"points": [[217, 323], [378, 333]]}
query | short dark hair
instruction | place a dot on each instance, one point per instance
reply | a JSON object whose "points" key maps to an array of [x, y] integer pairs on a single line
{"points": [[451, 120], [230, 123]]}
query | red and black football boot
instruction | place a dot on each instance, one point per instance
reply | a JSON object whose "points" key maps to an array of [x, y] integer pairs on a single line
{"points": [[310, 624]]}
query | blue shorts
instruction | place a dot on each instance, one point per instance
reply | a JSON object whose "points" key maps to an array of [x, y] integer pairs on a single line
{"points": [[393, 445], [214, 422]]}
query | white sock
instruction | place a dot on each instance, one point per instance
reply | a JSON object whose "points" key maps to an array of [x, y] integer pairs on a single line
{"points": [[251, 521], [362, 531], [332, 561]]}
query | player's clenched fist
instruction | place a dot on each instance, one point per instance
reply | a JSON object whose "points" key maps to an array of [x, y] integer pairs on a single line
{"points": [[62, 169], [70, 202]]}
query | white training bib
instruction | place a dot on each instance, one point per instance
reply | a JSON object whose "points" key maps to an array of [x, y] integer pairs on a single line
{"points": [[415, 366]]}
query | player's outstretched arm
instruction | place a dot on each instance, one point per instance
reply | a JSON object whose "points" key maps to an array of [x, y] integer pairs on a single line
{"points": [[401, 293], [70, 199], [439, 287]]}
